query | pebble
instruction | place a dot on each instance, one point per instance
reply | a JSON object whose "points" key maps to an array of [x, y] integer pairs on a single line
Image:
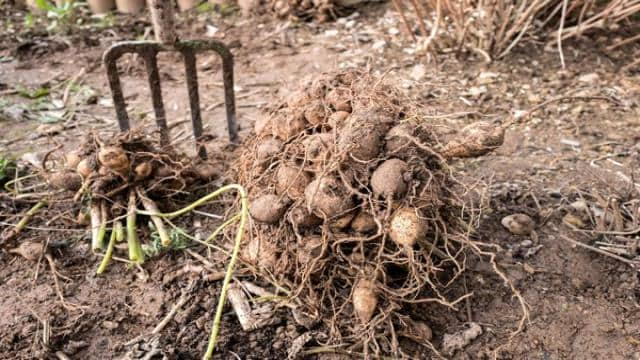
{"points": [[518, 224], [580, 206], [573, 220], [589, 78], [579, 284], [110, 325], [555, 193], [526, 243]]}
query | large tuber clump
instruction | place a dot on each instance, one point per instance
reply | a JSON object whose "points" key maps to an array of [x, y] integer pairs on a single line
{"points": [[365, 217]]}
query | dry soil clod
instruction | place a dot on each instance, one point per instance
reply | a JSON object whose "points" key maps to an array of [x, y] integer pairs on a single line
{"points": [[518, 224]]}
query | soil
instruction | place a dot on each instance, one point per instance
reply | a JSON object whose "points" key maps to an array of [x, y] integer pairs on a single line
{"points": [[582, 305]]}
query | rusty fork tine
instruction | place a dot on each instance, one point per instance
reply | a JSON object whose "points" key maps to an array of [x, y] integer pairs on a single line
{"points": [[153, 74], [194, 99], [116, 91]]}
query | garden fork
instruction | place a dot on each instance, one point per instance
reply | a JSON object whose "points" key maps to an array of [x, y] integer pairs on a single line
{"points": [[167, 40]]}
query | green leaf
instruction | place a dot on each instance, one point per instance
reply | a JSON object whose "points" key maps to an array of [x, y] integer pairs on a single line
{"points": [[7, 167], [33, 93], [45, 5], [28, 21]]}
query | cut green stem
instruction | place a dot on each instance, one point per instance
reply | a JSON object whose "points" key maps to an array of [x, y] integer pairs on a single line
{"points": [[221, 227], [23, 222], [244, 215], [135, 250], [119, 231], [107, 255], [98, 213], [152, 208]]}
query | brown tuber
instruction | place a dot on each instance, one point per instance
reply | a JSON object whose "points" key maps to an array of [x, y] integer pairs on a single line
{"points": [[315, 113], [67, 180], [29, 250], [388, 180], [206, 171], [300, 217], [337, 119], [318, 148], [115, 159], [268, 149], [143, 170], [339, 99], [365, 300], [396, 140], [360, 139], [518, 224], [476, 139], [268, 209], [86, 167], [290, 125], [341, 222], [291, 181], [407, 227], [261, 252], [309, 248], [72, 159], [326, 197], [364, 223]]}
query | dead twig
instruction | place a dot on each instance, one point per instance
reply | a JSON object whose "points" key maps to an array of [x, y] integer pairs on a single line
{"points": [[631, 263]]}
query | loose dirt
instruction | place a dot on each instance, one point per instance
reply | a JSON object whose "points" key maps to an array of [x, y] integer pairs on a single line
{"points": [[582, 304]]}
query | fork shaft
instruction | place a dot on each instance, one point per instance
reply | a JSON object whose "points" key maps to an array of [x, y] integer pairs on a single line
{"points": [[162, 20]]}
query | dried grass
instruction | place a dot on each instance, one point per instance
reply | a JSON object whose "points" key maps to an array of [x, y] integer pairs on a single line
{"points": [[495, 27]]}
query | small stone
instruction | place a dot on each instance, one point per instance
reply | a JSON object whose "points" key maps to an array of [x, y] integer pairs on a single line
{"points": [[518, 224], [110, 325], [418, 72], [573, 220], [555, 193], [570, 142], [526, 243], [534, 98], [580, 206], [579, 284], [589, 78], [486, 77]]}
